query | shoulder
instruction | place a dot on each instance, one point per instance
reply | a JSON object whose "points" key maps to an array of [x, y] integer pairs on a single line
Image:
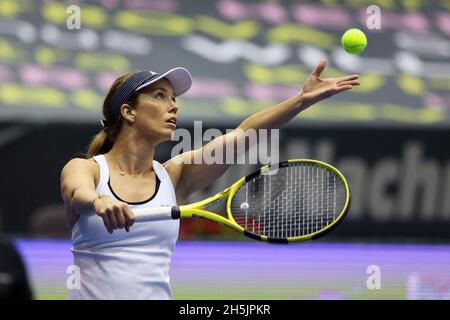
{"points": [[174, 170], [81, 166]]}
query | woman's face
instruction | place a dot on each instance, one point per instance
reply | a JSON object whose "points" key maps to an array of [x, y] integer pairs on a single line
{"points": [[156, 110]]}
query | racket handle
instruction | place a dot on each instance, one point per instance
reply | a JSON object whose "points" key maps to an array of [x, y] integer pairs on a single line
{"points": [[157, 214]]}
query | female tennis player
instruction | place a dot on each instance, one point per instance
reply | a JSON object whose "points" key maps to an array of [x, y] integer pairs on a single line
{"points": [[119, 260]]}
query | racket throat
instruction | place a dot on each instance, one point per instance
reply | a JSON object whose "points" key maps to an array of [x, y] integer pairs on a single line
{"points": [[175, 212]]}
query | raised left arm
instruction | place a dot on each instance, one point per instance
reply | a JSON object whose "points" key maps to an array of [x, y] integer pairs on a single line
{"points": [[192, 177]]}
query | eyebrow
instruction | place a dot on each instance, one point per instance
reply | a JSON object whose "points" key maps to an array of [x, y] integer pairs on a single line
{"points": [[160, 88]]}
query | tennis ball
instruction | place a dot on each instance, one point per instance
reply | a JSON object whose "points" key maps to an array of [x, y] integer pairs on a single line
{"points": [[354, 41]]}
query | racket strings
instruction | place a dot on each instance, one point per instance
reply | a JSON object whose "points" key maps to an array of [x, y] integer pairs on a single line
{"points": [[299, 199], [288, 218]]}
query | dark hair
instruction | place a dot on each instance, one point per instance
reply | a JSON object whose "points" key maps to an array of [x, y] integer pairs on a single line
{"points": [[103, 141]]}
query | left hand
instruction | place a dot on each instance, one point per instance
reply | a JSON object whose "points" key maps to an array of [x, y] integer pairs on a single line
{"points": [[316, 89]]}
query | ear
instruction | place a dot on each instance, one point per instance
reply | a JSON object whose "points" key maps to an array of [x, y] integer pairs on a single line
{"points": [[128, 113]]}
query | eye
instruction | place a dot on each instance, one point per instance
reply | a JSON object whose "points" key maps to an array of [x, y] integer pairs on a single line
{"points": [[160, 95]]}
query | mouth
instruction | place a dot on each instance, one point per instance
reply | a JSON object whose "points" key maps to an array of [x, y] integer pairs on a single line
{"points": [[172, 121]]}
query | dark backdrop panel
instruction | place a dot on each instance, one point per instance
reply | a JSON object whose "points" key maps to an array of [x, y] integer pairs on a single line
{"points": [[400, 179]]}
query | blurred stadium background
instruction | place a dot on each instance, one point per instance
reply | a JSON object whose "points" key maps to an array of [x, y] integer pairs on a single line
{"points": [[390, 136]]}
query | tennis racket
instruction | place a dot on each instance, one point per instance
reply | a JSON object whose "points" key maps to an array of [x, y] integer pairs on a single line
{"points": [[291, 201]]}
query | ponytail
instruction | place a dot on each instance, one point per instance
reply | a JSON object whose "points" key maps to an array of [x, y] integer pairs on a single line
{"points": [[99, 144], [103, 141]]}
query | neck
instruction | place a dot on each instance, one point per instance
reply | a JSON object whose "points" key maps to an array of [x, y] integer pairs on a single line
{"points": [[132, 155]]}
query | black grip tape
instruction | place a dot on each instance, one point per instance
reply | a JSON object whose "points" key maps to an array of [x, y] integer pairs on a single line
{"points": [[175, 212]]}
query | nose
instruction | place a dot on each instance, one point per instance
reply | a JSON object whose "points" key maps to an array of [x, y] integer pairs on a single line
{"points": [[173, 107]]}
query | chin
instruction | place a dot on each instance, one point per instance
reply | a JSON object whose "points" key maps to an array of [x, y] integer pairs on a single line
{"points": [[161, 136], [167, 135]]}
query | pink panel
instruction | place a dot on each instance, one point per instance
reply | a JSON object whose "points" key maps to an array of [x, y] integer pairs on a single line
{"points": [[232, 10], [33, 74], [106, 79], [166, 5], [109, 4], [409, 22], [319, 16], [211, 88], [270, 92], [5, 73], [443, 22], [61, 77], [236, 11], [435, 101]]}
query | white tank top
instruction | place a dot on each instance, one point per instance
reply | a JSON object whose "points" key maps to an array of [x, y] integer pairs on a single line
{"points": [[125, 265]]}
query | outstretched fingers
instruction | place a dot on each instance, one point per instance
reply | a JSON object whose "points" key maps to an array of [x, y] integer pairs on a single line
{"points": [[349, 82], [320, 67], [348, 78], [344, 88]]}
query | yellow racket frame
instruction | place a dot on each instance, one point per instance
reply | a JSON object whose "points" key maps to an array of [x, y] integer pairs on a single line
{"points": [[196, 210]]}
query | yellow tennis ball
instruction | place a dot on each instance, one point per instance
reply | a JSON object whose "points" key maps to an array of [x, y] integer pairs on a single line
{"points": [[354, 41]]}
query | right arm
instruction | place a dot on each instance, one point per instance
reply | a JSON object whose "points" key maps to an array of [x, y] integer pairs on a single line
{"points": [[189, 176], [79, 195]]}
